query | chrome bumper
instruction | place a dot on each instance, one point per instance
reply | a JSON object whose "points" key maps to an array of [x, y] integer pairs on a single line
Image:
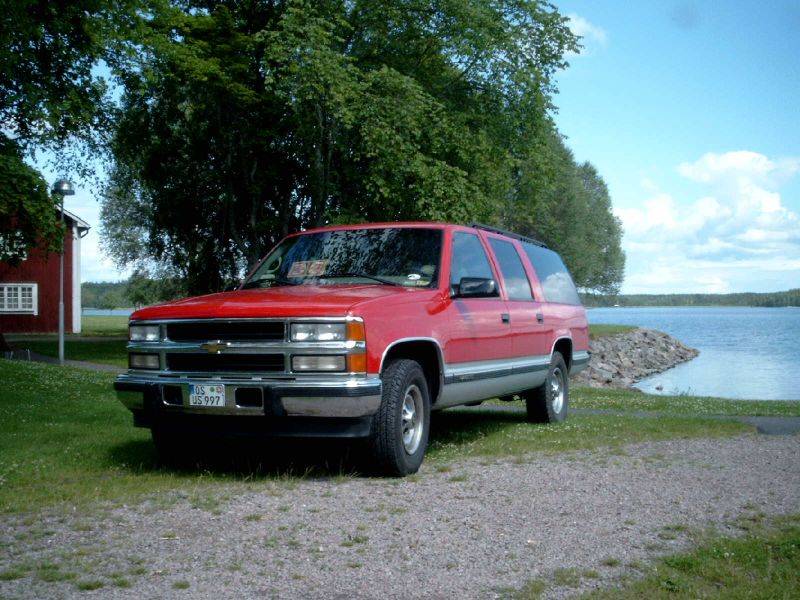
{"points": [[580, 360], [307, 397]]}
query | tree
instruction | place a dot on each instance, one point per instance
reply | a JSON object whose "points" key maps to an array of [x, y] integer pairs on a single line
{"points": [[48, 94], [143, 290], [27, 211], [568, 207], [241, 122]]}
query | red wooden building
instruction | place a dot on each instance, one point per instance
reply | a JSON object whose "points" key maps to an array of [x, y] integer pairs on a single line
{"points": [[29, 291]]}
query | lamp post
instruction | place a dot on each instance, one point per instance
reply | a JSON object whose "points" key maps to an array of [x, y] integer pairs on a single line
{"points": [[61, 188]]}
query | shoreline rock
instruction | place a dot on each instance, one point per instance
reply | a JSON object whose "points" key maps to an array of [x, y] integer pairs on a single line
{"points": [[619, 361]]}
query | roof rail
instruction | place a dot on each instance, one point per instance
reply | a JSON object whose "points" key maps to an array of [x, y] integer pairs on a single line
{"points": [[511, 234]]}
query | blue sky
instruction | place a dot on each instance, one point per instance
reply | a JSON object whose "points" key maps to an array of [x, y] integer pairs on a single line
{"points": [[690, 112]]}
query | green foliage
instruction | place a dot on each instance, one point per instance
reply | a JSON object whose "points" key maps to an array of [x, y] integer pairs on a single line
{"points": [[567, 206], [47, 89], [48, 95], [241, 123], [766, 299], [27, 211], [143, 290], [101, 294]]}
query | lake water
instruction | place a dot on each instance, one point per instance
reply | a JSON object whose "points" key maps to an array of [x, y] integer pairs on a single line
{"points": [[103, 312], [749, 353]]}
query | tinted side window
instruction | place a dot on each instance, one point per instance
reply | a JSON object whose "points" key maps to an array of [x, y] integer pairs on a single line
{"points": [[517, 284], [469, 258], [557, 284]]}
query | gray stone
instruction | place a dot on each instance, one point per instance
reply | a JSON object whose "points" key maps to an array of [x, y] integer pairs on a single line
{"points": [[620, 360]]}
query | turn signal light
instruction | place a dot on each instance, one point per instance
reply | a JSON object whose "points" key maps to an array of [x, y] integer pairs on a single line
{"points": [[357, 363], [355, 331]]}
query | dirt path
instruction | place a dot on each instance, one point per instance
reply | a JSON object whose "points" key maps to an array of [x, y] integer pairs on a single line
{"points": [[476, 530]]}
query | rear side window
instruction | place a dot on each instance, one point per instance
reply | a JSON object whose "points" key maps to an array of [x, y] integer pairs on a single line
{"points": [[517, 284], [469, 258], [557, 284]]}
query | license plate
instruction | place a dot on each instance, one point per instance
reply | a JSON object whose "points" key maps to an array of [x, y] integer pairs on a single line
{"points": [[203, 394]]}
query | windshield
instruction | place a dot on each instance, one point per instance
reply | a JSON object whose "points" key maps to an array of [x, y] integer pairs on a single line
{"points": [[407, 257]]}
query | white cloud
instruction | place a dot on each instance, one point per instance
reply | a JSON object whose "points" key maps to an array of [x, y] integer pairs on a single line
{"points": [[739, 166], [739, 235], [592, 35]]}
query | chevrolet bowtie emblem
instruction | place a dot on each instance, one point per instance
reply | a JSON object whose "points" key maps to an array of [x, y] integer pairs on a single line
{"points": [[214, 347]]}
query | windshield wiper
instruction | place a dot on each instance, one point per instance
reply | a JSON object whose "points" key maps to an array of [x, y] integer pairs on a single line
{"points": [[363, 276], [259, 283]]}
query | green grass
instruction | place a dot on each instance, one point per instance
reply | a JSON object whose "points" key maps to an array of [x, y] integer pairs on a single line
{"points": [[65, 440], [763, 564], [459, 433], [77, 347], [108, 352], [89, 585], [626, 400], [597, 331], [104, 325]]}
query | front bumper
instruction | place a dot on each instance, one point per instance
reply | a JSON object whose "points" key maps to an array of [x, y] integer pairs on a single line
{"points": [[345, 397]]}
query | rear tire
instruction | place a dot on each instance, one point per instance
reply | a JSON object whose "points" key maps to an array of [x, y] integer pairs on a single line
{"points": [[399, 433], [549, 402]]}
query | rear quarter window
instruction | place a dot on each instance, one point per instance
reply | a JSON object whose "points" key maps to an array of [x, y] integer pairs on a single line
{"points": [[557, 285], [517, 285]]}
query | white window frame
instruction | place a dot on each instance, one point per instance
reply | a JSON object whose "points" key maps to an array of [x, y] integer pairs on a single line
{"points": [[34, 310]]}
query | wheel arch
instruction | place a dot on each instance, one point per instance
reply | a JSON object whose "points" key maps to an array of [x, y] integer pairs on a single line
{"points": [[427, 352], [564, 346]]}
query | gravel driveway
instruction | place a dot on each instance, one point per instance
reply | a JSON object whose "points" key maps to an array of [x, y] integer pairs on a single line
{"points": [[476, 530]]}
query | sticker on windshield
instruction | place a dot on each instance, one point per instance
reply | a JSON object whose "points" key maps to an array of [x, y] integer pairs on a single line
{"points": [[414, 276], [317, 268], [298, 269], [308, 268]]}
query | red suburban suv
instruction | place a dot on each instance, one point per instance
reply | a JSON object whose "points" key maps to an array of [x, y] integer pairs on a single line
{"points": [[360, 331]]}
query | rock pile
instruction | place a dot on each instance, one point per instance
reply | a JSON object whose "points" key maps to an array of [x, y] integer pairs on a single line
{"points": [[620, 360]]}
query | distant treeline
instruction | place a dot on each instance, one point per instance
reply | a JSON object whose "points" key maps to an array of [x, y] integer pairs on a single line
{"points": [[139, 290], [787, 298]]}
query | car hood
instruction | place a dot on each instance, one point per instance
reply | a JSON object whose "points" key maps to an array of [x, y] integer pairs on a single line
{"points": [[284, 301]]}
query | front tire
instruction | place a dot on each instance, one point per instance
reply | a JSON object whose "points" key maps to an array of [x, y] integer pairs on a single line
{"points": [[399, 434], [549, 402], [172, 447]]}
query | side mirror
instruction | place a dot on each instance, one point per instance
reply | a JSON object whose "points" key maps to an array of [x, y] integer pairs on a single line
{"points": [[476, 287]]}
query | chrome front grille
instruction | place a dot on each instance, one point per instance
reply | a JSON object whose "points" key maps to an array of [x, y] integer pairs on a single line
{"points": [[228, 363], [226, 331], [245, 347]]}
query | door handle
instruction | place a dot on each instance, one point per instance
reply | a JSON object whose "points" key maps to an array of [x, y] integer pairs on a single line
{"points": [[505, 318], [540, 317]]}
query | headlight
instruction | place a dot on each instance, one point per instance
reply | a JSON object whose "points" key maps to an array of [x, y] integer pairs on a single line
{"points": [[318, 363], [143, 361], [144, 333], [319, 332]]}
